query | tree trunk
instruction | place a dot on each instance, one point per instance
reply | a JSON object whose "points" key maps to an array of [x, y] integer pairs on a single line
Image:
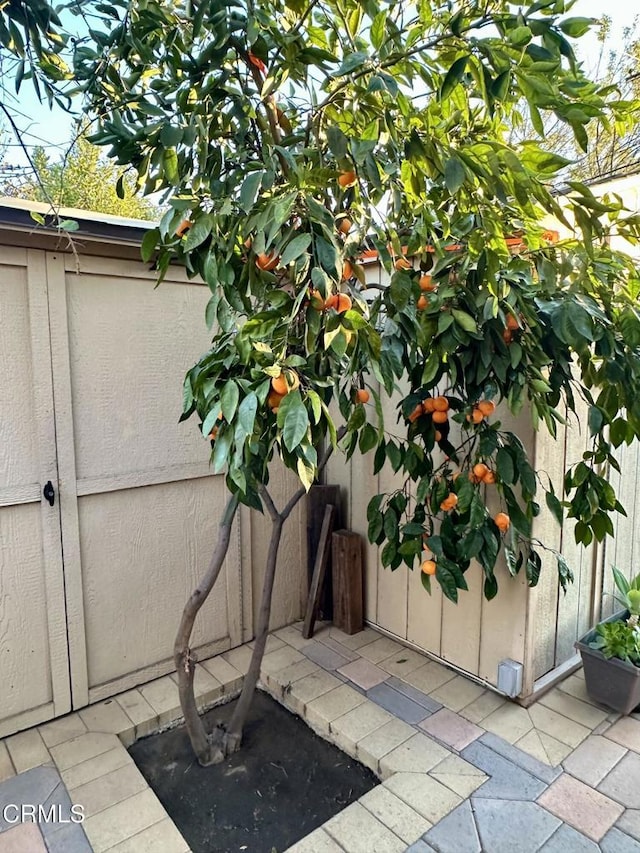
{"points": [[234, 731], [215, 747], [207, 748]]}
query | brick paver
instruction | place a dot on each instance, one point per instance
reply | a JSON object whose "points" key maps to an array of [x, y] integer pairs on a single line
{"points": [[507, 826], [364, 673], [581, 806], [397, 703], [451, 729]]}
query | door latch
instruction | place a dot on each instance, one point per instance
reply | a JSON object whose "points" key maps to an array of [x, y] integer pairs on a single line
{"points": [[49, 493]]}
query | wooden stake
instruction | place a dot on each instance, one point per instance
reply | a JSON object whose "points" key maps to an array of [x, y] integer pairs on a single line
{"points": [[319, 572], [346, 560]]}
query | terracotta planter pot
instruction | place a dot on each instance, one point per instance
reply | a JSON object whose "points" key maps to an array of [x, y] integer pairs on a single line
{"points": [[610, 682]]}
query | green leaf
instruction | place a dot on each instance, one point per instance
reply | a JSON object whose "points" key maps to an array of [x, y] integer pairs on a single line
{"points": [[555, 507], [351, 63], [249, 190], [576, 27], [368, 438], [221, 448], [68, 225], [170, 164], [296, 247], [520, 36], [447, 581], [596, 420], [464, 320], [565, 575], [316, 405], [149, 243], [454, 174], [378, 29], [229, 397], [505, 466], [293, 420], [306, 473], [622, 584], [453, 77], [618, 431], [534, 565], [211, 420], [198, 233], [247, 413]]}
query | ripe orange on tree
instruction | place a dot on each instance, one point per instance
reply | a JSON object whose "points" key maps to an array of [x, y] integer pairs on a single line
{"points": [[415, 414], [489, 478], [449, 502], [184, 226], [343, 303], [362, 395], [347, 271], [426, 283], [347, 178], [502, 521], [429, 567], [422, 303], [439, 417], [487, 407], [345, 225], [273, 400], [480, 470], [512, 323], [428, 406], [403, 264], [475, 417], [267, 262], [331, 301], [440, 404], [287, 381]]}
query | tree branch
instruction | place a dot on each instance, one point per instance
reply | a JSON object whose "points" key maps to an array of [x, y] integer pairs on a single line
{"points": [[182, 656]]}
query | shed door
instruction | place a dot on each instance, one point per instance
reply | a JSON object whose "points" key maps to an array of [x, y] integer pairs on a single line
{"points": [[140, 507], [34, 673]]}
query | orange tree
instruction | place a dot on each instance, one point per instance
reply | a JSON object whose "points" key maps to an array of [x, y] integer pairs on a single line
{"points": [[288, 138]]}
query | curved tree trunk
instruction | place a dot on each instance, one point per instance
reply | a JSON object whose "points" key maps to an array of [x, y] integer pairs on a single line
{"points": [[205, 747], [215, 747], [236, 725]]}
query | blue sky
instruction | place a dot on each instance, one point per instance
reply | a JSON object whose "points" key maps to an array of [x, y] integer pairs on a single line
{"points": [[53, 128]]}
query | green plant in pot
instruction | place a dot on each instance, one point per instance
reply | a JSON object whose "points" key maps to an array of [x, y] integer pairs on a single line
{"points": [[611, 651]]}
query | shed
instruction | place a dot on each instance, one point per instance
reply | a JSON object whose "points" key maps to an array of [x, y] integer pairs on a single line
{"points": [[92, 359]]}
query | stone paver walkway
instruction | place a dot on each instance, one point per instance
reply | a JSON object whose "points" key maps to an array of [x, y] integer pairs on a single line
{"points": [[462, 769], [562, 776]]}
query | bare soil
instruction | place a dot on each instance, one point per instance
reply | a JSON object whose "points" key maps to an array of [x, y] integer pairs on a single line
{"points": [[283, 783]]}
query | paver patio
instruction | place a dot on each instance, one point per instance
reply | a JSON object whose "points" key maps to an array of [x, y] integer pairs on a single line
{"points": [[463, 770]]}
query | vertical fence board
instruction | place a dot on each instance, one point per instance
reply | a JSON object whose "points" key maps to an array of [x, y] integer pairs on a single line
{"points": [[623, 551], [549, 462], [392, 586]]}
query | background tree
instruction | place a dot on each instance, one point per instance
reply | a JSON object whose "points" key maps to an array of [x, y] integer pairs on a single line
{"points": [[32, 43], [288, 137], [83, 179], [613, 143]]}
